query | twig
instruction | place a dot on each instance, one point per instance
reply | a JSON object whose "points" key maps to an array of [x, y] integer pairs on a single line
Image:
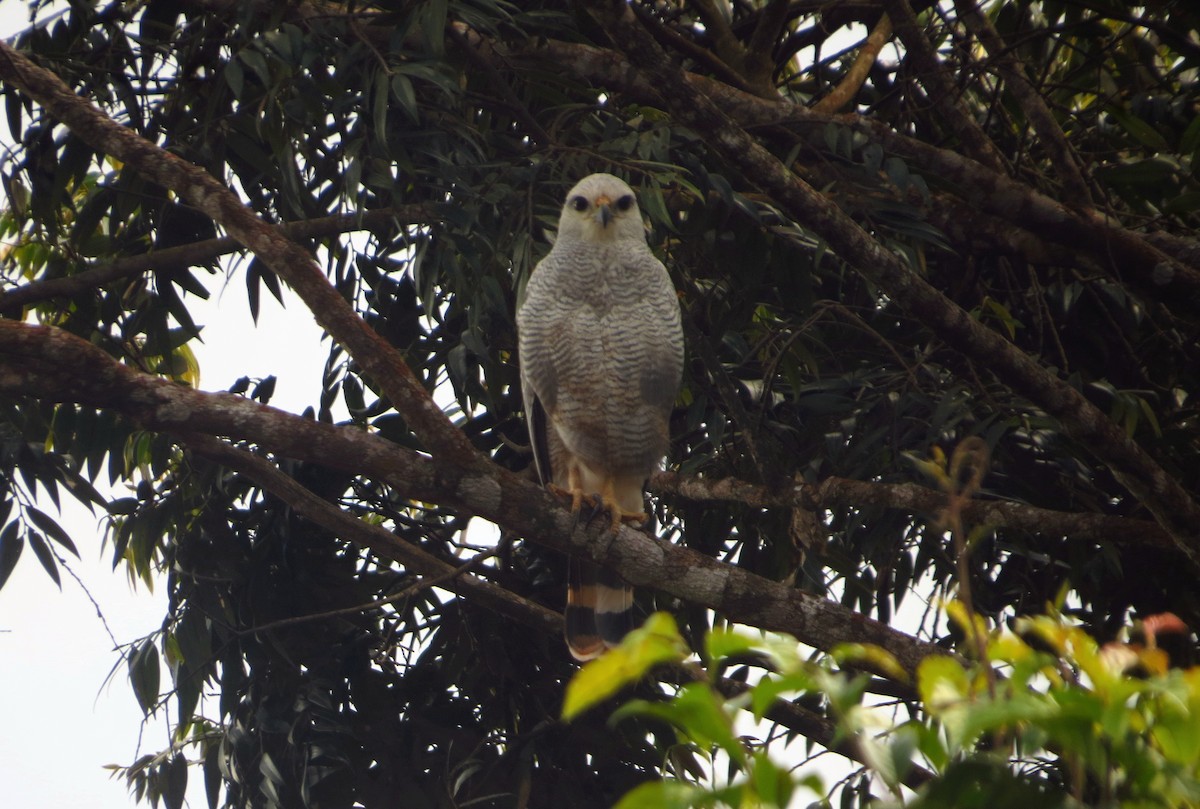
{"points": [[841, 95], [382, 362], [936, 79], [377, 538], [1172, 505]]}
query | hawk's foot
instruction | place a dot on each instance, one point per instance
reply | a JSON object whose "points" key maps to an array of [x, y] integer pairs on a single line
{"points": [[587, 507], [634, 519], [577, 499]]}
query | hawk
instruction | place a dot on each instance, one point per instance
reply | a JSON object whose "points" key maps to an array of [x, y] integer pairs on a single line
{"points": [[601, 349]]}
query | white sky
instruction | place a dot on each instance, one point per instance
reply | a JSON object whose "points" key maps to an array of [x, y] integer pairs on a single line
{"points": [[61, 724]]}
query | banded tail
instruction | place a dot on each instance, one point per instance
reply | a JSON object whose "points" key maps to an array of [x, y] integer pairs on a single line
{"points": [[599, 609]]}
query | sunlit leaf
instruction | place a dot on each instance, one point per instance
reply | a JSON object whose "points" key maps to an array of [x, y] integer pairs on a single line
{"points": [[657, 641]]}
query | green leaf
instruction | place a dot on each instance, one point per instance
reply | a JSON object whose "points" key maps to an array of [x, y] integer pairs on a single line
{"points": [[1143, 132], [42, 551], [52, 529], [144, 675], [257, 63], [942, 682], [1184, 203], [722, 643], [235, 77], [870, 656], [402, 89], [11, 545], [699, 713], [656, 641], [773, 785], [175, 786], [665, 794], [773, 686], [897, 172]]}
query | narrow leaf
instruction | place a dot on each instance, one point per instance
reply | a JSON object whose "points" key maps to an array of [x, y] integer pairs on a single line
{"points": [[42, 551], [52, 529], [11, 545]]}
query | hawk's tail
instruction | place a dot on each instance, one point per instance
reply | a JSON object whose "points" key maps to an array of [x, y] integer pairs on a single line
{"points": [[599, 609]]}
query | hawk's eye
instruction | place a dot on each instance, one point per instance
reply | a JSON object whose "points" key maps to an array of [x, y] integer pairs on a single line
{"points": [[625, 202], [579, 203]]}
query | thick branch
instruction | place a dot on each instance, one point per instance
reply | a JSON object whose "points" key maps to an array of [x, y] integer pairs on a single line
{"points": [[760, 51], [285, 258], [435, 572], [189, 255], [58, 367], [1171, 505], [728, 46]]}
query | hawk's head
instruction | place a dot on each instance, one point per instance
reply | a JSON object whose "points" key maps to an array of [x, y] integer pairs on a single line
{"points": [[601, 207]]}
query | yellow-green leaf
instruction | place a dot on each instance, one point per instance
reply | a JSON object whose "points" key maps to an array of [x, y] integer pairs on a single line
{"points": [[656, 641]]}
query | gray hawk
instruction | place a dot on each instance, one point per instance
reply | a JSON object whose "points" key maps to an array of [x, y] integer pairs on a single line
{"points": [[601, 350]]}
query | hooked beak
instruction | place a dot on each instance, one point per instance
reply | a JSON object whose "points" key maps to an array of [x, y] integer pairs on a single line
{"points": [[604, 213]]}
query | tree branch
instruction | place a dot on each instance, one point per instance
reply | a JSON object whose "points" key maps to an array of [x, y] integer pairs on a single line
{"points": [[843, 93], [379, 540], [915, 499], [437, 573], [58, 367], [1171, 504], [1161, 266]]}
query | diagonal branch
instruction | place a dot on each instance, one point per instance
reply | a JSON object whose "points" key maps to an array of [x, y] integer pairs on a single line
{"points": [[458, 579], [850, 84], [55, 366], [379, 540], [284, 257], [941, 89], [1161, 266], [1172, 505]]}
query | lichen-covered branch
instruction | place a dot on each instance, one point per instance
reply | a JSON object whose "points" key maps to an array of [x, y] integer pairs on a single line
{"points": [[58, 367]]}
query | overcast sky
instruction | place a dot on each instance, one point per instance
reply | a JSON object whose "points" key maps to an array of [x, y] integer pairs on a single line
{"points": [[61, 724]]}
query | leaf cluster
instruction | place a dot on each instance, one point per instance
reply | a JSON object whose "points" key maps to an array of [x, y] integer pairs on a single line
{"points": [[1049, 719]]}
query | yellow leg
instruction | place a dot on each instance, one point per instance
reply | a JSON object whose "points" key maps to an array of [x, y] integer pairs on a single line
{"points": [[606, 499], [609, 498], [574, 490]]}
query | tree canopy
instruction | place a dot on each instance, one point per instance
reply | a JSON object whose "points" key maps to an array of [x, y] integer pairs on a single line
{"points": [[940, 289]]}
